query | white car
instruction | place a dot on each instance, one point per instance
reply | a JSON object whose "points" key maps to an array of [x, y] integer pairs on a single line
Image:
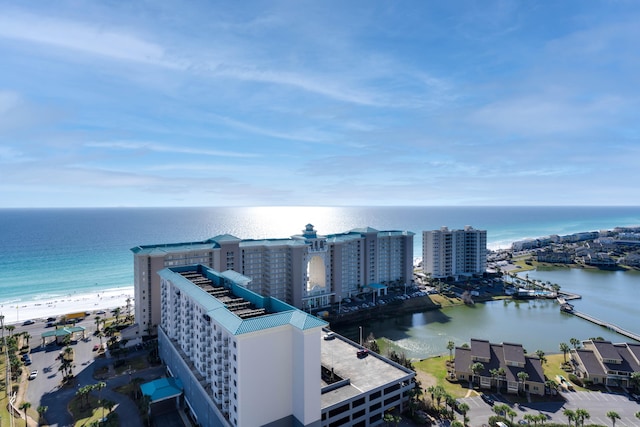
{"points": [[329, 336], [33, 374]]}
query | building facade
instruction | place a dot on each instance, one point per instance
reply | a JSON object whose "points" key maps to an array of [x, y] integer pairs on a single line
{"points": [[602, 362], [501, 365], [306, 270], [248, 360], [454, 253]]}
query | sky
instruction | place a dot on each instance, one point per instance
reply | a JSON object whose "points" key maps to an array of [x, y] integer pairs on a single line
{"points": [[333, 103]]}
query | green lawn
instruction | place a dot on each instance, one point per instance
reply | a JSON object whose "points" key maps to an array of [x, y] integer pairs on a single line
{"points": [[84, 415], [436, 366]]}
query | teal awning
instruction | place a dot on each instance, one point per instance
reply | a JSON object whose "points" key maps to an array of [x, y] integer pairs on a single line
{"points": [[162, 389]]}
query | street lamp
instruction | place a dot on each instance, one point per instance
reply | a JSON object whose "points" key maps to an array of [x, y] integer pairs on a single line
{"points": [[360, 327]]}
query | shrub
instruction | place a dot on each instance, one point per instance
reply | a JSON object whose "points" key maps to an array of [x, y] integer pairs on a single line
{"points": [[574, 379]]}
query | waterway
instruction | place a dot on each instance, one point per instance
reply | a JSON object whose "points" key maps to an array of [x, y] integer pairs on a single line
{"points": [[536, 324]]}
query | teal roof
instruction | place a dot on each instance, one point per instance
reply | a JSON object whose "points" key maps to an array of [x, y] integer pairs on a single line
{"points": [[167, 248], [279, 313], [61, 332], [376, 286], [161, 389], [271, 242]]}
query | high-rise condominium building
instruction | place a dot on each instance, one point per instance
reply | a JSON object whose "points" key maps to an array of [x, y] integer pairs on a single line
{"points": [[248, 360], [306, 270], [454, 253]]}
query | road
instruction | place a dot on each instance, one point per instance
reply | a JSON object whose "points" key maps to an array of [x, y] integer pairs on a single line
{"points": [[46, 389]]}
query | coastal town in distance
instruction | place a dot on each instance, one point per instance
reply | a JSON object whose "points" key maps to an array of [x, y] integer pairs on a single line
{"points": [[214, 323]]}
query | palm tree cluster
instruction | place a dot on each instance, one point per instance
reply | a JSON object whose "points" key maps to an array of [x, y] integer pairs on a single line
{"points": [[66, 363], [535, 419], [439, 395], [505, 411], [578, 416], [83, 392]]}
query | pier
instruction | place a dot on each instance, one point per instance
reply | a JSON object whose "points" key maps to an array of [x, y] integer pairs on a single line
{"points": [[604, 324]]}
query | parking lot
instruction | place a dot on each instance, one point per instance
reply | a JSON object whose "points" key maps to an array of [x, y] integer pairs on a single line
{"points": [[596, 403]]}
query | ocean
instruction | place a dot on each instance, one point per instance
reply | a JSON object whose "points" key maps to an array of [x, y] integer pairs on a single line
{"points": [[51, 253]]}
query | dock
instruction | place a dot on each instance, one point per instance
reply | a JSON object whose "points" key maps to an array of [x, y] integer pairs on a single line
{"points": [[610, 326]]}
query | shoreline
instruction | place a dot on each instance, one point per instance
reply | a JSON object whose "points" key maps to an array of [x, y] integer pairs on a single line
{"points": [[17, 312]]}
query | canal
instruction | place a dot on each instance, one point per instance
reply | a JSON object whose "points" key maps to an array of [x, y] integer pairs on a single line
{"points": [[536, 324]]}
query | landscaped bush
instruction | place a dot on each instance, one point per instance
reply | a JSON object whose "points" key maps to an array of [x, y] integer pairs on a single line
{"points": [[574, 379]]}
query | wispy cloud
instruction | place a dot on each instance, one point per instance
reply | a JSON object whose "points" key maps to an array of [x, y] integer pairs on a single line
{"points": [[83, 37], [161, 148]]}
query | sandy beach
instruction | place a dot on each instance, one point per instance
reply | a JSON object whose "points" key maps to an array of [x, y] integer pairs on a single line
{"points": [[14, 312]]}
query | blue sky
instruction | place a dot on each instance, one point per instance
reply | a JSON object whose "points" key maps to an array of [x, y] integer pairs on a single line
{"points": [[207, 103]]}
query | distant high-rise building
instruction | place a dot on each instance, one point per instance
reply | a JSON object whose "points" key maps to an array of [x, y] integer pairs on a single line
{"points": [[306, 270], [454, 253]]}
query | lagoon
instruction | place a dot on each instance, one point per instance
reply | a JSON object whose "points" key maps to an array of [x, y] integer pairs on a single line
{"points": [[537, 324]]}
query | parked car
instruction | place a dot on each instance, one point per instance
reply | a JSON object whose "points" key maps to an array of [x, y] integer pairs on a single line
{"points": [[33, 374], [27, 360], [363, 352], [329, 336], [28, 322], [487, 399]]}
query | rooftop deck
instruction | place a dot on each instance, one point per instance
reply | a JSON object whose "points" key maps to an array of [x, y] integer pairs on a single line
{"points": [[237, 305]]}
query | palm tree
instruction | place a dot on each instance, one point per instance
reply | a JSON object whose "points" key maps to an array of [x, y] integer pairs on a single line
{"points": [[637, 415], [464, 408], [581, 415], [41, 411], [10, 328], [117, 312], [571, 416], [541, 356], [613, 415], [26, 337], [635, 379], [439, 393], [523, 377], [476, 368], [98, 321], [99, 386], [500, 409], [575, 342], [83, 394], [511, 414], [24, 406], [564, 348], [450, 346], [531, 418], [100, 335]]}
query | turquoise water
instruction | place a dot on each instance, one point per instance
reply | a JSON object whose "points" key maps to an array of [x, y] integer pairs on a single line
{"points": [[46, 253]]}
